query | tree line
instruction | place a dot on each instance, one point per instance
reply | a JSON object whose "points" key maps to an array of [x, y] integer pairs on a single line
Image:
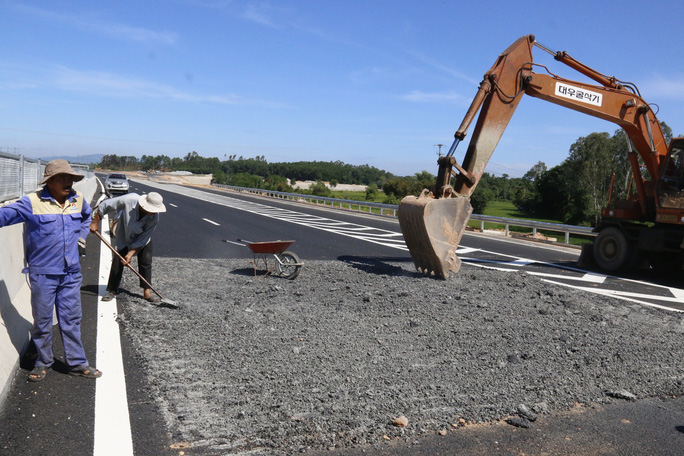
{"points": [[254, 172], [573, 192]]}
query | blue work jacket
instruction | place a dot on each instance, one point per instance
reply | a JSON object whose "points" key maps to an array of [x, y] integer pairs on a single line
{"points": [[51, 231]]}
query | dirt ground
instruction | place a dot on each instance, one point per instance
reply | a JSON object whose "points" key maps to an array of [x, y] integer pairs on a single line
{"points": [[170, 178]]}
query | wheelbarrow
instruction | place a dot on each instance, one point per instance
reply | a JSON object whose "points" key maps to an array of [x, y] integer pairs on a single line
{"points": [[284, 264]]}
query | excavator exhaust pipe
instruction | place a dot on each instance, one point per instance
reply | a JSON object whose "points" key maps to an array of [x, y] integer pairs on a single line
{"points": [[432, 228]]}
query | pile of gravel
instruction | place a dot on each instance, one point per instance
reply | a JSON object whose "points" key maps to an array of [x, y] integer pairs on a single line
{"points": [[330, 359]]}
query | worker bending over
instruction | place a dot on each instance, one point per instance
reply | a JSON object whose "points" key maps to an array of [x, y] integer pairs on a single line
{"points": [[138, 217]]}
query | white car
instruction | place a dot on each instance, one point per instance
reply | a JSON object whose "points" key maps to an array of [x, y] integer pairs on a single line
{"points": [[116, 183]]}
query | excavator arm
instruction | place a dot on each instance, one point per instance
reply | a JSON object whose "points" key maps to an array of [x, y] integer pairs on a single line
{"points": [[433, 222]]}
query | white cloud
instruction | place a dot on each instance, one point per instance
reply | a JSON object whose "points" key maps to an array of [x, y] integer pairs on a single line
{"points": [[93, 24], [443, 68], [103, 84], [659, 86], [367, 75], [129, 33], [260, 13], [433, 97], [112, 85]]}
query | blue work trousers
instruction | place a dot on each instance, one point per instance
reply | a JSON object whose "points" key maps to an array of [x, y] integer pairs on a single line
{"points": [[63, 293]]}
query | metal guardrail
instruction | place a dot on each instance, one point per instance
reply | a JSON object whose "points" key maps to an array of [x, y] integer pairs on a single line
{"points": [[361, 206], [391, 210], [20, 175], [567, 230]]}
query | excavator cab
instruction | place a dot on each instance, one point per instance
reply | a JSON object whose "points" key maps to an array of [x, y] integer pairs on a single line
{"points": [[671, 185]]}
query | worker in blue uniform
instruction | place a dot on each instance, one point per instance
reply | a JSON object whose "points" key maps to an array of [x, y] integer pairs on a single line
{"points": [[56, 219]]}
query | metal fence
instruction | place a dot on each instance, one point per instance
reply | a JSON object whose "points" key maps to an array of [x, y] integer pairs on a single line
{"points": [[391, 210], [20, 175]]}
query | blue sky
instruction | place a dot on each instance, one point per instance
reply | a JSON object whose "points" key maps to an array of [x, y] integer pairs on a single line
{"points": [[365, 82]]}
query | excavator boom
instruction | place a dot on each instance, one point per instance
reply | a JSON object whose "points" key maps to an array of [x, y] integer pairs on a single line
{"points": [[433, 223]]}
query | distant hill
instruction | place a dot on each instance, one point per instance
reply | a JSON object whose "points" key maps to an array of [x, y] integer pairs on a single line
{"points": [[80, 159]]}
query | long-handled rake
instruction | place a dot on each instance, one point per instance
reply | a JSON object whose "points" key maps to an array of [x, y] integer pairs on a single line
{"points": [[163, 300]]}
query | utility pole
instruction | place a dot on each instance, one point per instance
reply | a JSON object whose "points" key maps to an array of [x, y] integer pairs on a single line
{"points": [[439, 152]]}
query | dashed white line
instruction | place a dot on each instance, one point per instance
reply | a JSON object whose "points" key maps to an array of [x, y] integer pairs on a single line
{"points": [[353, 230], [211, 221]]}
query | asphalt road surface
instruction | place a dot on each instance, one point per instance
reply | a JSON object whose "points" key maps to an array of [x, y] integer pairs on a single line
{"points": [[57, 416]]}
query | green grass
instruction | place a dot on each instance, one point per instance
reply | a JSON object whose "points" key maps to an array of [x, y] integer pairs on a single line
{"points": [[357, 196], [507, 209]]}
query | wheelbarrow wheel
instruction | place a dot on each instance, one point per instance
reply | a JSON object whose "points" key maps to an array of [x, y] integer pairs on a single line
{"points": [[288, 267]]}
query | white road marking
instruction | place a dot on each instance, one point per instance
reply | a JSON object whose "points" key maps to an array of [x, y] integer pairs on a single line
{"points": [[677, 293], [102, 191], [396, 240], [518, 262], [211, 221], [112, 422], [593, 278], [486, 264], [624, 296], [172, 205], [522, 262], [353, 230]]}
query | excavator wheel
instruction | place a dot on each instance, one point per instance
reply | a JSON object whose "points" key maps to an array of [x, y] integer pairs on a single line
{"points": [[432, 229], [614, 252]]}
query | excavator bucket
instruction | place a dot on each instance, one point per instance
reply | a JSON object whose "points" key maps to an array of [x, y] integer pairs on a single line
{"points": [[433, 224], [432, 228]]}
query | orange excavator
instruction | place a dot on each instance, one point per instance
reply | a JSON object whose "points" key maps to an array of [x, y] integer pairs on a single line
{"points": [[649, 225]]}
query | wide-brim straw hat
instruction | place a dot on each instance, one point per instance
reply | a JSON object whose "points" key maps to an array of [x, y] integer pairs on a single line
{"points": [[152, 202], [59, 166]]}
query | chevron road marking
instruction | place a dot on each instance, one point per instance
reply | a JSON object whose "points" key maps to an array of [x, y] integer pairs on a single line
{"points": [[593, 278], [627, 296], [396, 240]]}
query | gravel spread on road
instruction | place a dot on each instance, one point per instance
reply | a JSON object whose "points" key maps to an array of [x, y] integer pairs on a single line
{"points": [[329, 360]]}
